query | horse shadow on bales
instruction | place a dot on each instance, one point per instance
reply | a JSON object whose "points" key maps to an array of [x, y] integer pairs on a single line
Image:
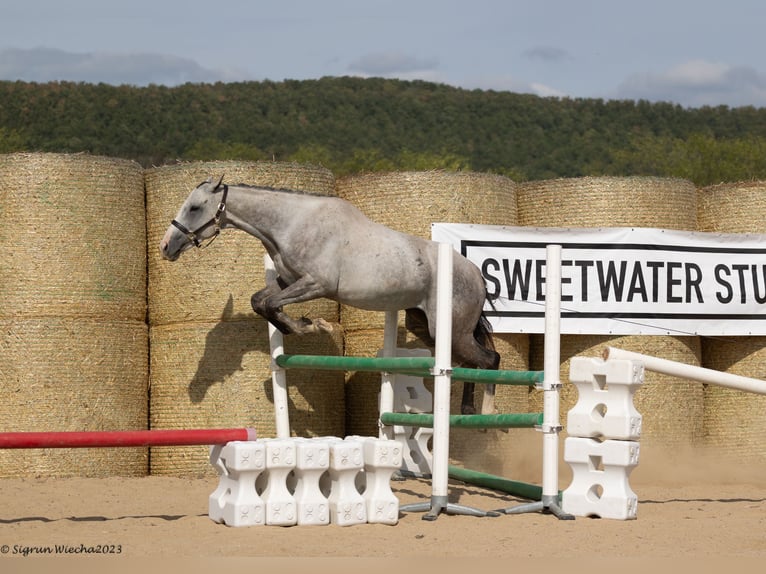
{"points": [[228, 360]]}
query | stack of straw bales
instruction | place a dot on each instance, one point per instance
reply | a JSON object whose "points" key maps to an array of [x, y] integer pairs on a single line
{"points": [[672, 408], [734, 423], [74, 343], [410, 202], [210, 362]]}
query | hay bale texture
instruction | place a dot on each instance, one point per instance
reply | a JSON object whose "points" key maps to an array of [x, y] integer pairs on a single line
{"points": [[664, 203], [210, 363], [73, 349], [734, 424], [410, 202], [672, 408]]}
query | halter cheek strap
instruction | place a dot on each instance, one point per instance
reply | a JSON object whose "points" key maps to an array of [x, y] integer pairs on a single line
{"points": [[216, 221]]}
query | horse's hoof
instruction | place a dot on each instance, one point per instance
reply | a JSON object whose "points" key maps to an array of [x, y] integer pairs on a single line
{"points": [[467, 409]]}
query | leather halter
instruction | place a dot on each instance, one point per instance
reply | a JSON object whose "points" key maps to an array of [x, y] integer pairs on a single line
{"points": [[215, 220]]}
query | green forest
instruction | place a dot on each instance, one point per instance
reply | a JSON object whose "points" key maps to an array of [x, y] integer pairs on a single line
{"points": [[353, 125]]}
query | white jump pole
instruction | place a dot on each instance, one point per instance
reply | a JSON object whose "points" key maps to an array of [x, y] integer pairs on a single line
{"points": [[691, 372], [551, 380], [278, 375], [442, 379], [386, 400], [551, 426]]}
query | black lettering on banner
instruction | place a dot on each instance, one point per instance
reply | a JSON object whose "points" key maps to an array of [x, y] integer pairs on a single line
{"points": [[740, 269], [583, 265], [759, 298], [609, 281], [671, 282], [524, 280], [720, 270], [565, 281], [693, 282], [539, 266], [637, 284], [655, 266], [490, 279]]}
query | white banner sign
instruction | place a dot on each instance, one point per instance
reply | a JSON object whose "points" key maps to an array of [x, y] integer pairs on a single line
{"points": [[620, 280]]}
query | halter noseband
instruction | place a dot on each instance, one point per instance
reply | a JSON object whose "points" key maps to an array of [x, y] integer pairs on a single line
{"points": [[216, 220]]}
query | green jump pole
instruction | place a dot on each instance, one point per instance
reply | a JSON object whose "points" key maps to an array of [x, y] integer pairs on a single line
{"points": [[336, 363], [525, 378], [415, 366], [513, 487], [501, 421]]}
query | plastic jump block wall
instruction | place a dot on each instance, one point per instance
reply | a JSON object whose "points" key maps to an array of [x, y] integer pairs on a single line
{"points": [[602, 447], [300, 481]]}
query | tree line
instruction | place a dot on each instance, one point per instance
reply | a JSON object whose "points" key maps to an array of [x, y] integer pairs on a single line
{"points": [[353, 125]]}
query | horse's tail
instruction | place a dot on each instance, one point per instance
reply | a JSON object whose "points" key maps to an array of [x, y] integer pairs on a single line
{"points": [[483, 330]]}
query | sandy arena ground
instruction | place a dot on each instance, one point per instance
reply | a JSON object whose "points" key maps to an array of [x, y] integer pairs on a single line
{"points": [[689, 508]]}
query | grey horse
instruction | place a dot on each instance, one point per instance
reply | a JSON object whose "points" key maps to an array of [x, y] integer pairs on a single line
{"points": [[323, 246]]}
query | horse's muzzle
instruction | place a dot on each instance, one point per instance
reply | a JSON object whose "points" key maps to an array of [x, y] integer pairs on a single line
{"points": [[164, 251]]}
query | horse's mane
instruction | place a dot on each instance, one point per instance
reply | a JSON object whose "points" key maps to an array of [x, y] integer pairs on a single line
{"points": [[278, 189]]}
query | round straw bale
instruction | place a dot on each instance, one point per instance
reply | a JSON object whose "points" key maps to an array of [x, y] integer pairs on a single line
{"points": [[73, 237], [61, 374], [732, 207], [216, 375], [671, 408], [665, 203], [734, 423], [197, 286]]}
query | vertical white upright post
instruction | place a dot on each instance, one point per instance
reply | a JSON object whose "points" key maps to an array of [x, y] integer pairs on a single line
{"points": [[442, 379], [386, 399], [278, 375], [551, 380], [442, 373]]}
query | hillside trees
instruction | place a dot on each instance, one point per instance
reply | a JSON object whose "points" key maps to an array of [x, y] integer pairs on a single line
{"points": [[354, 124]]}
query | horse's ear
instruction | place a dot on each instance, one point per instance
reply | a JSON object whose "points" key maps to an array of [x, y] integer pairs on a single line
{"points": [[217, 185]]}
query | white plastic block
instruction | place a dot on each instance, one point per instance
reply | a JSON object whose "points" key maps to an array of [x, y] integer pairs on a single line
{"points": [[412, 396], [347, 506], [280, 462], [410, 393], [605, 398], [600, 472], [416, 457], [312, 461], [235, 502], [382, 458]]}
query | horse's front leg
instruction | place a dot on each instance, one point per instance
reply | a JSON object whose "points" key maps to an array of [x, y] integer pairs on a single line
{"points": [[268, 303]]}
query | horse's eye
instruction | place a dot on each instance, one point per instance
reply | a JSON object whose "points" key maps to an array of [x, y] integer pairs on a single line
{"points": [[194, 208]]}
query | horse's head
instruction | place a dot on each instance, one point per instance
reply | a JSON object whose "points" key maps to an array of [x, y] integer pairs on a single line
{"points": [[198, 220]]}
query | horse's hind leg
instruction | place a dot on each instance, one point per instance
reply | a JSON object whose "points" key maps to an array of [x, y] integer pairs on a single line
{"points": [[475, 354], [268, 303]]}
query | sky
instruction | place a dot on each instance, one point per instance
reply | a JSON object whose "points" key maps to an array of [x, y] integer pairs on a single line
{"points": [[690, 52]]}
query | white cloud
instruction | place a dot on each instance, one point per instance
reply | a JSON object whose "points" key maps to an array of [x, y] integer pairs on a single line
{"points": [[47, 64], [699, 83]]}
